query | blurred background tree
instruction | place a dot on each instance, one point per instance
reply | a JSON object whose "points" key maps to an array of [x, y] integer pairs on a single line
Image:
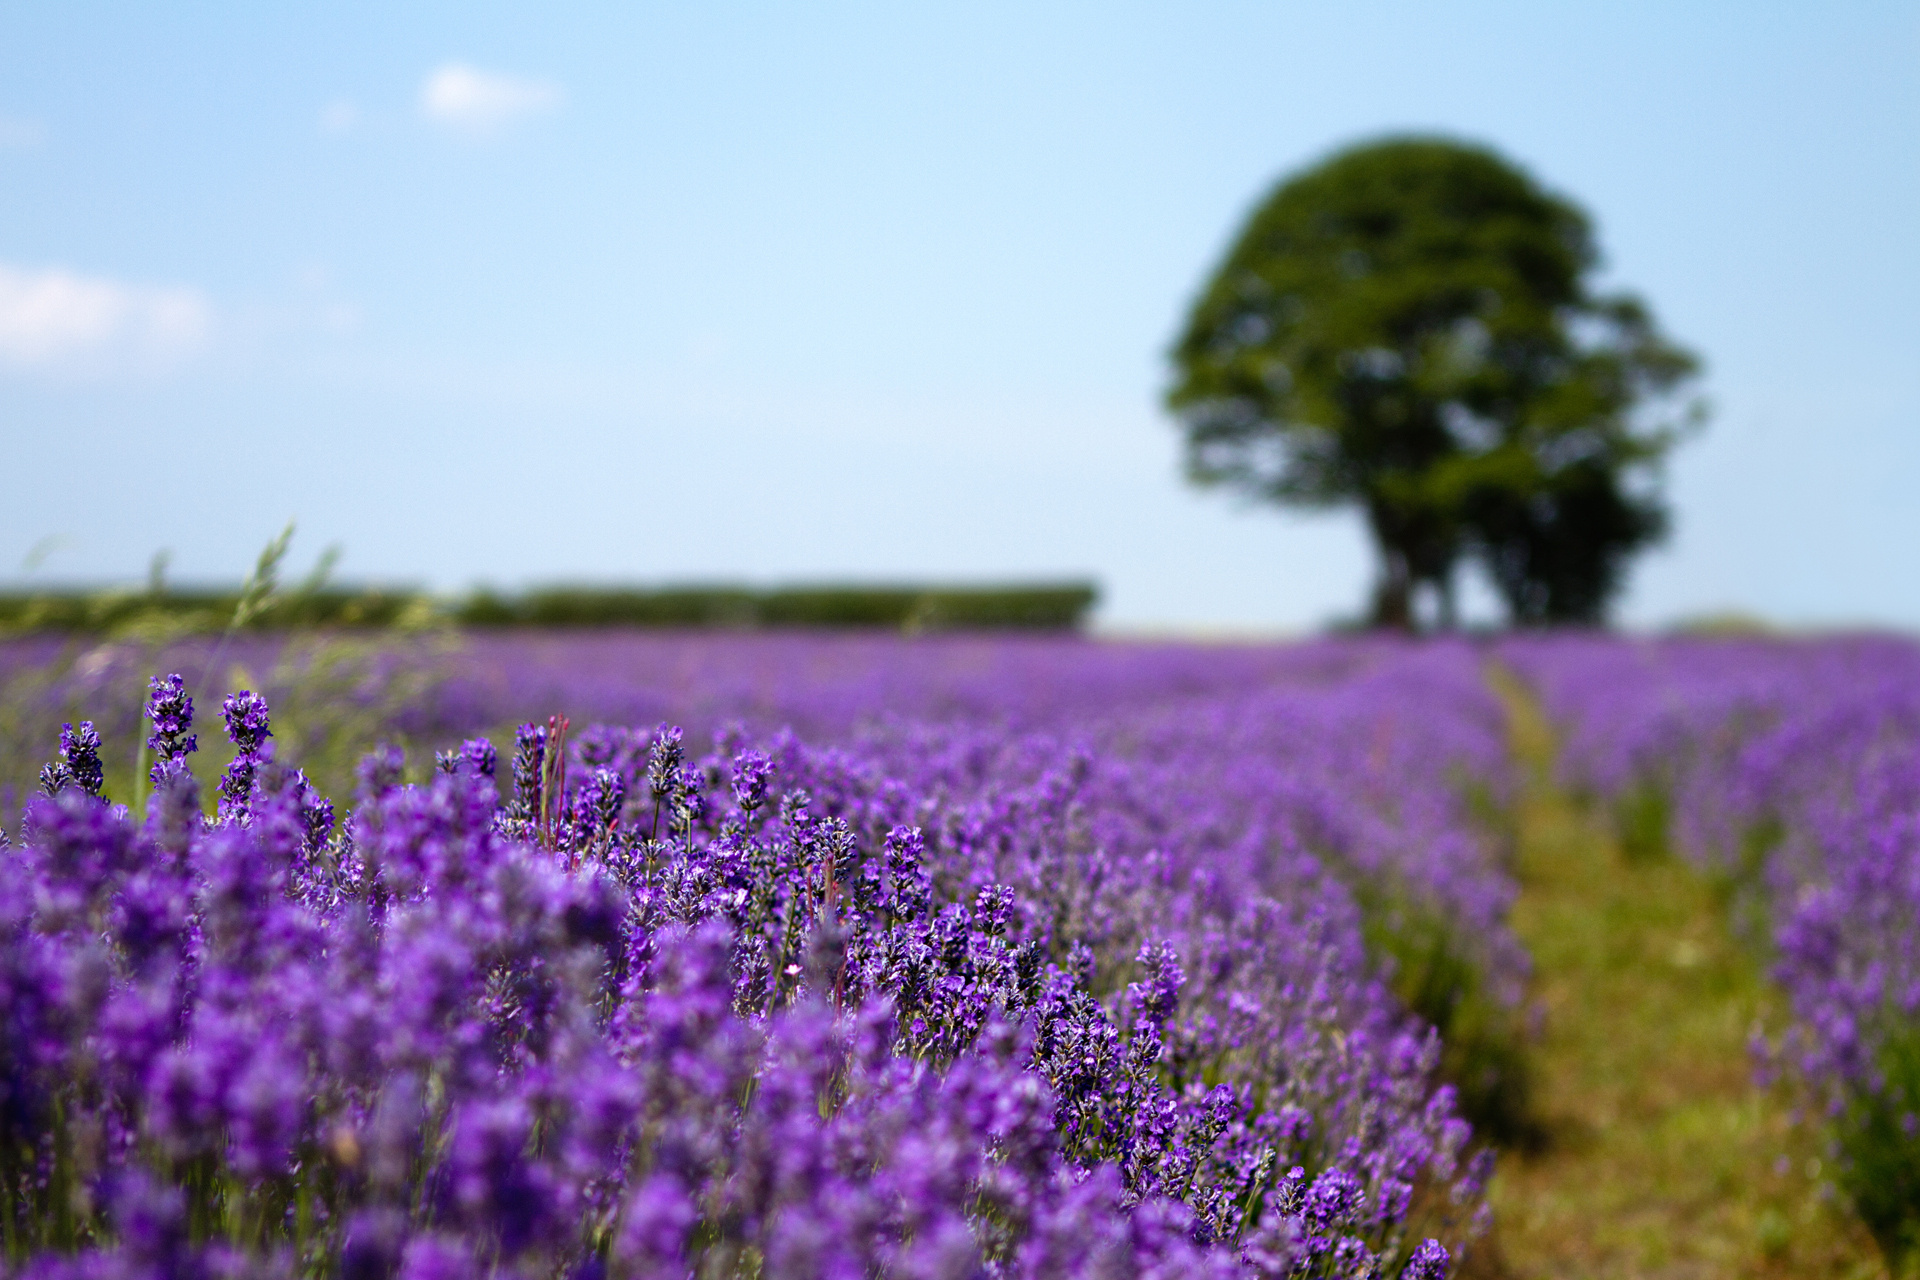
{"points": [[1410, 326]]}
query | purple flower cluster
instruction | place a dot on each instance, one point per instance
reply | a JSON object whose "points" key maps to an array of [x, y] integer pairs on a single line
{"points": [[1356, 751], [247, 719], [1792, 769], [170, 709], [79, 762], [1088, 997]]}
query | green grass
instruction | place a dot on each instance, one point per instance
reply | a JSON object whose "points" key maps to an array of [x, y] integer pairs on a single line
{"points": [[1660, 1157], [334, 697]]}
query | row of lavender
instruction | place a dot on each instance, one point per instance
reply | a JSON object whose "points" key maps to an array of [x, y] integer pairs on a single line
{"points": [[1052, 961], [1791, 769]]}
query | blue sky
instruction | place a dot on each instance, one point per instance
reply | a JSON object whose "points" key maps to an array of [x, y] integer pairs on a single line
{"points": [[785, 293]]}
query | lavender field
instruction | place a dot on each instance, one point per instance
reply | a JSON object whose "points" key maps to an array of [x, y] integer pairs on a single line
{"points": [[649, 954]]}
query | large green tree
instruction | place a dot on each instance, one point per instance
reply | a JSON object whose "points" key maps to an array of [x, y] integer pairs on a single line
{"points": [[1411, 326]]}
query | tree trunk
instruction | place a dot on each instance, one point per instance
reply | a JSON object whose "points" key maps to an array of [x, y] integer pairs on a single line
{"points": [[1393, 594]]}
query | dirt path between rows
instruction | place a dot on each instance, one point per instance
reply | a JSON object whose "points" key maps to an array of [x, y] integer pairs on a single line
{"points": [[1660, 1158]]}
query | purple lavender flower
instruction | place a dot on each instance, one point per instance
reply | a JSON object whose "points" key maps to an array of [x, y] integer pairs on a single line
{"points": [[78, 764], [664, 759], [666, 776], [247, 727], [1157, 997], [907, 877], [1048, 1001], [496, 1186], [81, 750], [475, 757], [529, 772], [55, 778], [375, 1240], [439, 1257], [596, 807], [150, 1220], [657, 1221], [380, 770], [171, 711], [1429, 1262], [247, 720], [751, 772], [479, 756]]}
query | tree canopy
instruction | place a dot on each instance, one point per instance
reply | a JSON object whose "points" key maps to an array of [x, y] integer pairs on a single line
{"points": [[1410, 326]]}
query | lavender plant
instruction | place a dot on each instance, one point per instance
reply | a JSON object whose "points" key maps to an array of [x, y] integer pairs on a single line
{"points": [[928, 1002]]}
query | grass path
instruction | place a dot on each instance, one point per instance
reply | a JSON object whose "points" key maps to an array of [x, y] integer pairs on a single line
{"points": [[1661, 1159]]}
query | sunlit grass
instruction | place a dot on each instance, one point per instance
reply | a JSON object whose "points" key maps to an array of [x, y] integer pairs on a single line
{"points": [[1661, 1156]]}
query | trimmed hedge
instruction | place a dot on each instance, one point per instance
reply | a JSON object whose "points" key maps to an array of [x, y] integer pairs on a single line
{"points": [[909, 608], [1053, 606]]}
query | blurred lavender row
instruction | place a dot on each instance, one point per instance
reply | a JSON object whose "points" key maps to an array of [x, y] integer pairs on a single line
{"points": [[1791, 771], [942, 957]]}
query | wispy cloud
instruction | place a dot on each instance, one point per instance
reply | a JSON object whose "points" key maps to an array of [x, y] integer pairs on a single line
{"points": [[482, 102], [57, 320]]}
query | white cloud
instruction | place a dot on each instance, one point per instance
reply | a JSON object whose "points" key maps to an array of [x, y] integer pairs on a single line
{"points": [[481, 102], [54, 319], [338, 117]]}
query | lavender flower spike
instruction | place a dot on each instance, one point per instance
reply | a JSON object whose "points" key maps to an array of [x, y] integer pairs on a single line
{"points": [[79, 762], [171, 711], [247, 722], [247, 725], [1429, 1262], [80, 748]]}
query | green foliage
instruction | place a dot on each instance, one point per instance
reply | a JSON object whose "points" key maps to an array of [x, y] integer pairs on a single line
{"points": [[1879, 1137], [1643, 818], [601, 607], [263, 584], [1740, 886], [335, 697], [1409, 327]]}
